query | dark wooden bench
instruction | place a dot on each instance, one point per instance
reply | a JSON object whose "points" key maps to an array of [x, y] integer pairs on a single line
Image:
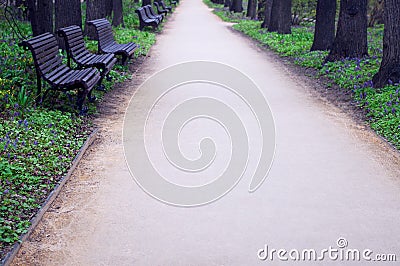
{"points": [[76, 50], [49, 67], [160, 10], [145, 20], [106, 42], [163, 5], [150, 13]]}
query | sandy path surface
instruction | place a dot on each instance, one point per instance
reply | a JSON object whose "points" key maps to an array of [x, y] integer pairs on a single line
{"points": [[330, 178]]}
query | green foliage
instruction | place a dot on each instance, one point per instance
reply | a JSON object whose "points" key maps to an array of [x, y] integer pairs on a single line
{"points": [[36, 150]]}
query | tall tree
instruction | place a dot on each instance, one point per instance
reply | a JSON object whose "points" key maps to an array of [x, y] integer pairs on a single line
{"points": [[118, 18], [267, 14], [95, 9], [351, 35], [109, 5], [67, 13], [33, 16], [252, 9], [325, 25], [390, 65], [45, 12], [281, 17], [236, 6]]}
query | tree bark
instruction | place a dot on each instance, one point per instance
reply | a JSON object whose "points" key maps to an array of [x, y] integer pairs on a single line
{"points": [[109, 5], [118, 18], [351, 35], [325, 25], [67, 13], [252, 9], [45, 11], [267, 13], [389, 71], [236, 6], [281, 17], [33, 17], [95, 9]]}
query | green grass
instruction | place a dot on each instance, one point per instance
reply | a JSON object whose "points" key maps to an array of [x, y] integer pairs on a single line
{"points": [[351, 75]]}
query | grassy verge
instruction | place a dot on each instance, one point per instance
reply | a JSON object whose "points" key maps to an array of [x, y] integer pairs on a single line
{"points": [[39, 143], [351, 75]]}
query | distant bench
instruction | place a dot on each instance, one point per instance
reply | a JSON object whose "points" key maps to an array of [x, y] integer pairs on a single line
{"points": [[106, 42], [148, 18], [49, 67]]}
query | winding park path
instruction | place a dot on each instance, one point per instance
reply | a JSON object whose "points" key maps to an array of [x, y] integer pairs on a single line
{"points": [[331, 177]]}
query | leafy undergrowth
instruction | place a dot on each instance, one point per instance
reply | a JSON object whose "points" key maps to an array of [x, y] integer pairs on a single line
{"points": [[36, 151], [39, 143], [351, 75]]}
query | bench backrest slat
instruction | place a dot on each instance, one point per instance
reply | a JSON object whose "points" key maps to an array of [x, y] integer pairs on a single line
{"points": [[44, 49]]}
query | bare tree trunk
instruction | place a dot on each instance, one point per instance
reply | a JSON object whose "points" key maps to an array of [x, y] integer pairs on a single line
{"points": [[252, 9], [236, 6], [267, 13], [33, 16], [351, 35], [389, 71], [325, 25], [118, 18], [45, 11], [281, 17], [109, 5]]}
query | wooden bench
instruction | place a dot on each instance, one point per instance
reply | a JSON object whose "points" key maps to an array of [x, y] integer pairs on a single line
{"points": [[163, 5], [150, 13], [106, 42], [76, 50], [145, 20], [160, 10], [49, 67]]}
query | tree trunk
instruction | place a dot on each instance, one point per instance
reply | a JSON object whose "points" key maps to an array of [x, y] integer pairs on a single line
{"points": [[67, 13], [118, 18], [109, 5], [281, 17], [95, 9], [351, 35], [227, 3], [389, 71], [236, 6], [252, 9], [325, 25], [33, 17], [267, 13], [45, 11]]}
